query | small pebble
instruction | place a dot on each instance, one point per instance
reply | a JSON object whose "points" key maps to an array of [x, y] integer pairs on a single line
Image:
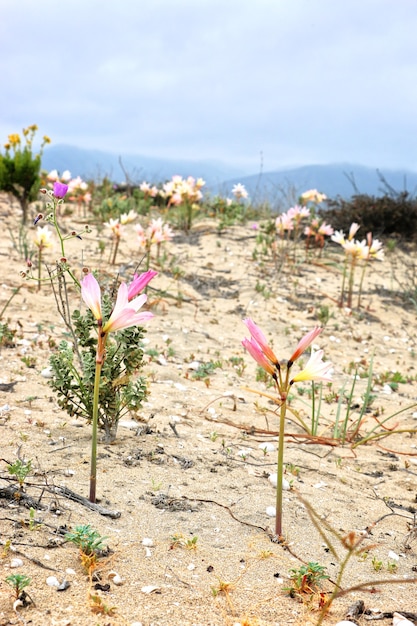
{"points": [[47, 372], [150, 589], [267, 446], [52, 581], [16, 563], [270, 511]]}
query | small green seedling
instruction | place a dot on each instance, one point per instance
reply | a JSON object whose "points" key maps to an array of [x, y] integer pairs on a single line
{"points": [[392, 567], [90, 543], [306, 579], [377, 564], [87, 539], [33, 524], [20, 469], [18, 582]]}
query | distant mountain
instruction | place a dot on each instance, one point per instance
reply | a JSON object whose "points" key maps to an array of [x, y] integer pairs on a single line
{"points": [[340, 179], [278, 187], [95, 164]]}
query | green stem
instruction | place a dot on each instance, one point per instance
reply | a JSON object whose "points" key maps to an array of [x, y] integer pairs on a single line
{"points": [[101, 341], [351, 279], [93, 474], [61, 242], [365, 265], [39, 267], [280, 470], [342, 293]]}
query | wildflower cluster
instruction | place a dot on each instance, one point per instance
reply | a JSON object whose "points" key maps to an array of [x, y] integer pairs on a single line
{"points": [[291, 225], [313, 196], [181, 191], [356, 252], [181, 194], [116, 227], [156, 233]]}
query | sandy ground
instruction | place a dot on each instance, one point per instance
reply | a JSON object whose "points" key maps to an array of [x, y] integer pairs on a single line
{"points": [[180, 472]]}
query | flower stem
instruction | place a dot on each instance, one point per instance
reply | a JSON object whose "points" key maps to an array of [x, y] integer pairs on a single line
{"points": [[101, 341], [39, 267], [280, 470], [116, 247], [365, 265]]}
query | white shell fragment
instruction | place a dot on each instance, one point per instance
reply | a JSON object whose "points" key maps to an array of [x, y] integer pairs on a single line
{"points": [[147, 541], [151, 589], [273, 480], [267, 446], [16, 563], [114, 576], [271, 511], [16, 604], [52, 581], [399, 620], [47, 372]]}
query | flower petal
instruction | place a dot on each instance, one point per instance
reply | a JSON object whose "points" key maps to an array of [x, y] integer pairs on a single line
{"points": [[91, 294]]}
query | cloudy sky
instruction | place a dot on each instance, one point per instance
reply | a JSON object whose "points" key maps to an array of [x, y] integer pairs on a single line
{"points": [[291, 82]]}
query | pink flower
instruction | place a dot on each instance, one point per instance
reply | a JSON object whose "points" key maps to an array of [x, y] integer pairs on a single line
{"points": [[60, 189], [91, 294], [354, 227], [326, 229], [139, 283], [256, 353], [315, 369], [125, 313], [258, 343], [304, 343]]}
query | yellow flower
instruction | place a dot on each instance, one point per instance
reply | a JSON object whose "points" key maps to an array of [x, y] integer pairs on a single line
{"points": [[14, 139]]}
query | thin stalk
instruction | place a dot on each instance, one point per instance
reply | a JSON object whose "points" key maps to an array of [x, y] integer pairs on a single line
{"points": [[101, 342], [365, 265], [93, 473], [315, 411], [280, 470], [342, 293], [39, 267], [115, 249], [365, 399], [348, 405], [15, 292], [61, 242], [351, 279]]}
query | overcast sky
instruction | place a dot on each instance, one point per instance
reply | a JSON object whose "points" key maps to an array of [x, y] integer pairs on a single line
{"points": [[296, 81]]}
